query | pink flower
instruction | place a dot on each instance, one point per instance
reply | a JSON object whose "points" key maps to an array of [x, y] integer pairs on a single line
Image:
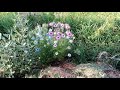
{"points": [[51, 24], [55, 45], [51, 33], [58, 33], [69, 34], [55, 25], [62, 25], [58, 37], [67, 27], [63, 35]]}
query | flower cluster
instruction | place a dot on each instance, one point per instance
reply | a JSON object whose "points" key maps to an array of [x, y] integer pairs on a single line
{"points": [[56, 36], [59, 32]]}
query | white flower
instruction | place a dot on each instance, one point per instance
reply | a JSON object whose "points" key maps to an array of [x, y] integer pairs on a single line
{"points": [[71, 41], [39, 28], [50, 30], [35, 42], [0, 35], [11, 56], [73, 37], [55, 33], [24, 44], [67, 37], [26, 51], [44, 45], [56, 53], [55, 45], [38, 34], [55, 42], [9, 66], [63, 35], [68, 47], [69, 55]]}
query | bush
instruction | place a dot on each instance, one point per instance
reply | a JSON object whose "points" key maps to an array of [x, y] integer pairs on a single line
{"points": [[27, 51]]}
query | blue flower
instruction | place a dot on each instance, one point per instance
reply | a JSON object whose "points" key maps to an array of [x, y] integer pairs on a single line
{"points": [[37, 49], [49, 37], [47, 34], [33, 38], [35, 42]]}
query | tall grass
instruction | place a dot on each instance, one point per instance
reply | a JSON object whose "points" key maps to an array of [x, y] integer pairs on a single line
{"points": [[6, 21]]}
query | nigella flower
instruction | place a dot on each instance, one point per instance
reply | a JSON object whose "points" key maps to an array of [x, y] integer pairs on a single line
{"points": [[62, 25], [51, 33], [67, 37], [37, 33], [63, 35], [35, 42], [26, 51], [69, 33], [49, 37], [73, 37], [39, 28], [67, 27], [71, 41], [55, 25], [44, 45], [37, 49], [56, 53], [55, 45], [68, 47], [69, 55], [55, 42], [33, 38], [58, 37], [55, 33], [51, 24], [47, 34], [58, 33], [50, 30]]}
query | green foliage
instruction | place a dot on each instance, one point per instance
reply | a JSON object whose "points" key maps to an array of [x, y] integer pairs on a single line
{"points": [[6, 21], [94, 32], [27, 51], [40, 18]]}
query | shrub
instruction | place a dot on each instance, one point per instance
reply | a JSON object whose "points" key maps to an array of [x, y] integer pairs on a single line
{"points": [[53, 44], [27, 51]]}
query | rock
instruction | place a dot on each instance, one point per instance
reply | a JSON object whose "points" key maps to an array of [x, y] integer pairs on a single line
{"points": [[55, 72], [112, 73], [89, 70], [93, 70]]}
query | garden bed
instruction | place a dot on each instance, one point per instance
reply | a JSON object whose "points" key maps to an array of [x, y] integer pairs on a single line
{"points": [[59, 44]]}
